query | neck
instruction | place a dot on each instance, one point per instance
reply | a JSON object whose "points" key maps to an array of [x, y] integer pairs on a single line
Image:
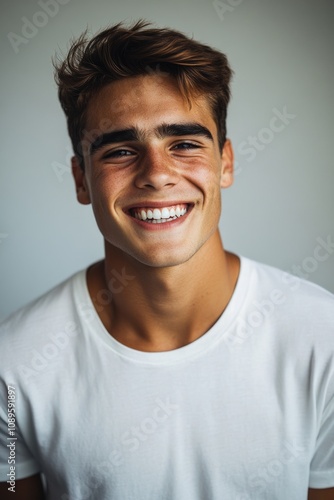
{"points": [[160, 309]]}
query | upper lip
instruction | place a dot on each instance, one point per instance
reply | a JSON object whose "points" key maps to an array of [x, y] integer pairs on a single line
{"points": [[156, 204]]}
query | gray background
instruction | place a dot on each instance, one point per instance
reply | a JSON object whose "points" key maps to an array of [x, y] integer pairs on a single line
{"points": [[282, 199]]}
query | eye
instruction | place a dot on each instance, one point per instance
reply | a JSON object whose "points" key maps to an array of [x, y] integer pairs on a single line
{"points": [[117, 153], [186, 145]]}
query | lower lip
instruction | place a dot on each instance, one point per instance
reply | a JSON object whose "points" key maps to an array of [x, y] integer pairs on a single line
{"points": [[163, 225]]}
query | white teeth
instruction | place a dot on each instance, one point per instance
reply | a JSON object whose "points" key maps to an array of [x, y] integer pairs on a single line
{"points": [[159, 216], [165, 213], [156, 214]]}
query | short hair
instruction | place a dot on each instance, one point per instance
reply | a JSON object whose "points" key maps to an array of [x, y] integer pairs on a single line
{"points": [[119, 52]]}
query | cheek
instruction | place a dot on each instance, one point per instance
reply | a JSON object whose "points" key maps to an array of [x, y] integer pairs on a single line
{"points": [[100, 194], [208, 181], [206, 178], [106, 187]]}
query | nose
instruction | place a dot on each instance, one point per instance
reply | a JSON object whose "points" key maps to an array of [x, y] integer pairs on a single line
{"points": [[156, 171]]}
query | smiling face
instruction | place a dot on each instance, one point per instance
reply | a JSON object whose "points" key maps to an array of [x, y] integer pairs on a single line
{"points": [[153, 170]]}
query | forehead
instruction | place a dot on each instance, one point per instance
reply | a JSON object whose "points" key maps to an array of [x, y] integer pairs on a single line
{"points": [[145, 102]]}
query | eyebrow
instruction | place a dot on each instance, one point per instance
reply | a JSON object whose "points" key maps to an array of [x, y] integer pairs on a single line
{"points": [[179, 129], [162, 131]]}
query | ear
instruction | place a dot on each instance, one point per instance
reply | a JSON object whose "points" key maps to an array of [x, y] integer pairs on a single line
{"points": [[227, 170], [80, 182]]}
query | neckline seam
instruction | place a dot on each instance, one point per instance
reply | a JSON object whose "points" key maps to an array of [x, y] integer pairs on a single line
{"points": [[190, 351]]}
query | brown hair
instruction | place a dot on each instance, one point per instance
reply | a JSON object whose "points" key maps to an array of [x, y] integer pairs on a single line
{"points": [[118, 52]]}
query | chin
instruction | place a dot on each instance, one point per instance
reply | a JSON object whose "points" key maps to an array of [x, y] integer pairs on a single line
{"points": [[164, 261]]}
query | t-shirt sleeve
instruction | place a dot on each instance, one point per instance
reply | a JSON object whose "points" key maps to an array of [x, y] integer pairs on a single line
{"points": [[13, 452], [322, 464]]}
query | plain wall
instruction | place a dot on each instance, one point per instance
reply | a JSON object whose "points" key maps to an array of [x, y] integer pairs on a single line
{"points": [[282, 202]]}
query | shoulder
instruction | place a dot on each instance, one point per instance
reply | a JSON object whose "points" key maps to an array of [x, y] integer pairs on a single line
{"points": [[287, 288], [287, 323], [54, 310], [292, 307]]}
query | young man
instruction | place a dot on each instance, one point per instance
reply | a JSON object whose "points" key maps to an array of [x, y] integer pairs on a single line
{"points": [[172, 369]]}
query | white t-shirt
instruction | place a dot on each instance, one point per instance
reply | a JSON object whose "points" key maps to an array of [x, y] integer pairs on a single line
{"points": [[244, 412]]}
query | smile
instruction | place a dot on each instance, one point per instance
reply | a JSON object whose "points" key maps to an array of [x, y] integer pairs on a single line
{"points": [[159, 215]]}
